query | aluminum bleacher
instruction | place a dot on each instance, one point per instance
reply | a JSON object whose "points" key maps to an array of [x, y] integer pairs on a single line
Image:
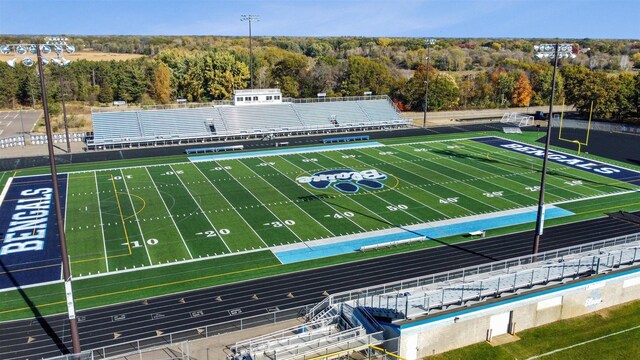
{"points": [[179, 122], [260, 118], [116, 126], [222, 122]]}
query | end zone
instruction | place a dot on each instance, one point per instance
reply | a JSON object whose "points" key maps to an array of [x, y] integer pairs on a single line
{"points": [[29, 242]]}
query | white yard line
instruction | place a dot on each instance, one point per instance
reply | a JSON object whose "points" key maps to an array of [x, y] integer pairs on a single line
{"points": [[343, 196], [135, 214], [104, 241], [383, 200], [169, 213], [229, 203], [420, 176], [584, 342], [491, 175], [407, 196], [567, 189], [66, 205], [202, 211], [286, 197], [261, 203], [452, 178]]}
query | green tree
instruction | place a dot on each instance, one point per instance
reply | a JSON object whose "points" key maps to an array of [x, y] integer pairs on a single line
{"points": [[106, 93], [223, 74], [286, 72], [445, 93], [364, 74], [625, 95], [574, 77], [600, 89], [8, 85]]}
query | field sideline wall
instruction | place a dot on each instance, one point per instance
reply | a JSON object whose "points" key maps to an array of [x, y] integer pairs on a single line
{"points": [[457, 329]]}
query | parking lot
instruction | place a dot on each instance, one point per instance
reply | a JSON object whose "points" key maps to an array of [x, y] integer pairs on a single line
{"points": [[14, 123]]}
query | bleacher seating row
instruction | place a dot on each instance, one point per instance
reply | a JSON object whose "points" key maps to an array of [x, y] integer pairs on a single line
{"points": [[160, 125]]}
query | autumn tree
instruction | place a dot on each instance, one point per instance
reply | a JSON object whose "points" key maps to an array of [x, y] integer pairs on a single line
{"points": [[161, 86], [522, 91]]}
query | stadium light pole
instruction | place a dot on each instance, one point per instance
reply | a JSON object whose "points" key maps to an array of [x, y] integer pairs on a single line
{"points": [[37, 49], [250, 18], [554, 52], [426, 91], [58, 43]]}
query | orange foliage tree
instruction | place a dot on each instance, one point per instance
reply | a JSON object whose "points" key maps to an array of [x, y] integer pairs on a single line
{"points": [[522, 91]]}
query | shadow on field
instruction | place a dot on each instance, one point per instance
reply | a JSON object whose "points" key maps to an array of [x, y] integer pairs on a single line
{"points": [[36, 313]]}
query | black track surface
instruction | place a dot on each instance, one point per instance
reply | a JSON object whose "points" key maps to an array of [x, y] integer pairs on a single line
{"points": [[50, 335]]}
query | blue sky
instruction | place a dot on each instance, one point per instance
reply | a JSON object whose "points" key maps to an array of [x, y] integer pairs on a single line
{"points": [[617, 19]]}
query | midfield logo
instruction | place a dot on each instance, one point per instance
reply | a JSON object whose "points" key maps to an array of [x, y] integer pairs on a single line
{"points": [[345, 180]]}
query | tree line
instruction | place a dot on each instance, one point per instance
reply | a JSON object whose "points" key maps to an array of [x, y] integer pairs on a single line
{"points": [[462, 73]]}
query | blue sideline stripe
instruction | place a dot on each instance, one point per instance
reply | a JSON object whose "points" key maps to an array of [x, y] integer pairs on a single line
{"points": [[33, 266], [345, 247], [249, 154]]}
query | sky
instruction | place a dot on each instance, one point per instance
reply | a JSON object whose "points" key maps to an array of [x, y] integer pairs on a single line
{"points": [[610, 19]]}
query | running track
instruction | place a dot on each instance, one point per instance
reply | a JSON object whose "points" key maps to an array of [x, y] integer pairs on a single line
{"points": [[50, 335]]}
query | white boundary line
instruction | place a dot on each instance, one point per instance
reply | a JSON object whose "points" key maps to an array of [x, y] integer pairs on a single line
{"points": [[584, 342], [104, 241], [453, 179], [566, 153], [169, 213], [5, 190], [550, 184], [492, 175], [199, 207]]}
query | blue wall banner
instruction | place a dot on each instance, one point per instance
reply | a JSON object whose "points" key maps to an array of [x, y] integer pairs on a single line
{"points": [[29, 239], [595, 167]]}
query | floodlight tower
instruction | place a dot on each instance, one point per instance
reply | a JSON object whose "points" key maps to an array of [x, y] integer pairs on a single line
{"points": [[58, 44], [250, 18], [426, 91], [553, 51], [38, 50]]}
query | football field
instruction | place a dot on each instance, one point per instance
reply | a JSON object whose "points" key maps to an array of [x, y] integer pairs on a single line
{"points": [[136, 217]]}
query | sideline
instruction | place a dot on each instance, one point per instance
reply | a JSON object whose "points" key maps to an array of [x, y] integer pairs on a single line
{"points": [[583, 343]]}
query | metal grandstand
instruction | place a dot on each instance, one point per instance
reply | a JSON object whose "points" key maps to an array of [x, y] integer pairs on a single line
{"points": [[356, 320], [221, 121]]}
